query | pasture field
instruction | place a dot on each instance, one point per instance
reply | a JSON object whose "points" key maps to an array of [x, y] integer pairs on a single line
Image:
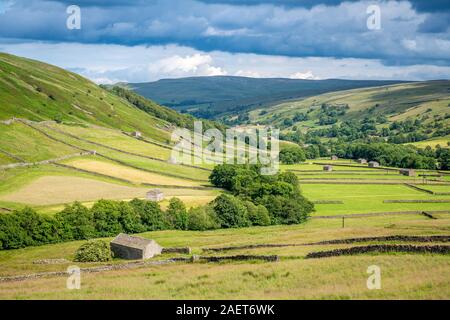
{"points": [[29, 144], [368, 198], [442, 141], [140, 161], [4, 159], [404, 276], [436, 188], [115, 139]]}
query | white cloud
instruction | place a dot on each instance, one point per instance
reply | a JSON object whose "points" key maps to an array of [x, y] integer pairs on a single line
{"points": [[196, 64], [115, 63], [248, 73], [308, 75]]}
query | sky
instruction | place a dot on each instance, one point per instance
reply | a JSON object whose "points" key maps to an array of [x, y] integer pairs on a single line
{"points": [[147, 40]]}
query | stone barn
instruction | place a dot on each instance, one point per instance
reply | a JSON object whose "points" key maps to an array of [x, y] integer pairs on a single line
{"points": [[130, 247], [362, 161], [327, 168], [334, 158], [408, 172], [374, 164], [155, 195]]}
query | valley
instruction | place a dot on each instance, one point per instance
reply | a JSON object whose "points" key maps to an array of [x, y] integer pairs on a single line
{"points": [[65, 140]]}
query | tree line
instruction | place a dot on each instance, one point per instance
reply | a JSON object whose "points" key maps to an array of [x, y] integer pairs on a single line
{"points": [[254, 200]]}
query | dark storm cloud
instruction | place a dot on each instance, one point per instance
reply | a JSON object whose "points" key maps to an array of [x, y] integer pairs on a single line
{"points": [[286, 27]]}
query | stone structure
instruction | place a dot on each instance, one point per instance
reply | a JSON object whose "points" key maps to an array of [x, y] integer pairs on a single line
{"points": [[408, 172], [130, 247], [327, 168], [155, 195], [374, 164], [334, 157], [362, 161], [137, 134]]}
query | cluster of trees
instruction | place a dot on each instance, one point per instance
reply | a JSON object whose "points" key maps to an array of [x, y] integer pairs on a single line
{"points": [[388, 155], [106, 218], [402, 156], [366, 130], [292, 153], [255, 194]]}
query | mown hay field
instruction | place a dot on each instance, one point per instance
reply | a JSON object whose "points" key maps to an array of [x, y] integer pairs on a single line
{"points": [[127, 173], [49, 190]]}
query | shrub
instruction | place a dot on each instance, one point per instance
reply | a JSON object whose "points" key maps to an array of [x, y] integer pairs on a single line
{"points": [[285, 210], [177, 214], [202, 218], [230, 211], [94, 251]]}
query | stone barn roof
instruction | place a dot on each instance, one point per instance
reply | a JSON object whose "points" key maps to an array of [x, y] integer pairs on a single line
{"points": [[131, 241], [131, 247]]}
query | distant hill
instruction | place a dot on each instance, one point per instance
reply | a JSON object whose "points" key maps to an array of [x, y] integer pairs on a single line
{"points": [[401, 113], [214, 97]]}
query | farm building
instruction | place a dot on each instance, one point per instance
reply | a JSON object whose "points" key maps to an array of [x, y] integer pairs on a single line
{"points": [[408, 172], [362, 161], [327, 168], [137, 134], [373, 164], [334, 157], [130, 247], [155, 195]]}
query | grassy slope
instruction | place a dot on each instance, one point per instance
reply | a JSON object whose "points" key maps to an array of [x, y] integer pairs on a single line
{"points": [[30, 145], [38, 91], [397, 102]]}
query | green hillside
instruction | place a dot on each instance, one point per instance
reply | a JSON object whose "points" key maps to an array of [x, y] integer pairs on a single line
{"points": [[37, 91], [216, 96], [402, 113]]}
